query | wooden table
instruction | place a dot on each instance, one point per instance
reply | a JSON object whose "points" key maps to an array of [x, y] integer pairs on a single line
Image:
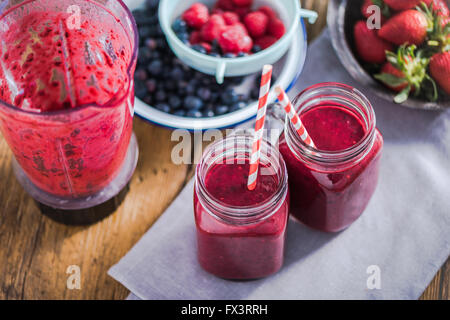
{"points": [[36, 252]]}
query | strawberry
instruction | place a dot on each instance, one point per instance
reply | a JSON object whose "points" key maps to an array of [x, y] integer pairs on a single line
{"points": [[256, 23], [440, 70], [406, 72], [407, 27], [369, 46], [230, 18], [196, 16], [385, 12], [439, 7], [213, 28], [400, 5], [399, 85], [439, 34]]}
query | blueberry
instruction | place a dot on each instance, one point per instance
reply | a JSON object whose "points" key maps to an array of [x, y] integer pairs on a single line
{"points": [[144, 55], [140, 90], [204, 94], [144, 32], [214, 54], [164, 107], [238, 106], [175, 102], [151, 85], [191, 87], [183, 36], [140, 75], [229, 97], [215, 47], [241, 54], [254, 93], [229, 55], [208, 113], [160, 96], [256, 48], [180, 113], [222, 109], [193, 103], [152, 4], [194, 114], [155, 55], [179, 26], [177, 74], [155, 67], [170, 85], [243, 98], [199, 48], [151, 43], [148, 100]]}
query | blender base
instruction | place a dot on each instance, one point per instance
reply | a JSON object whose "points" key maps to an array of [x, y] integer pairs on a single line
{"points": [[87, 210]]}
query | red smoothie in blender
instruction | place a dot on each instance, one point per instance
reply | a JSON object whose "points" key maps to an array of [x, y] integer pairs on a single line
{"points": [[66, 94], [240, 233], [332, 185]]}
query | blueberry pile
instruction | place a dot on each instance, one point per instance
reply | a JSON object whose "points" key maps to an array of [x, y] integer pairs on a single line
{"points": [[166, 83]]}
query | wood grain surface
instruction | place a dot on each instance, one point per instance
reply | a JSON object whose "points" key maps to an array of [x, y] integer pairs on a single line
{"points": [[35, 252]]}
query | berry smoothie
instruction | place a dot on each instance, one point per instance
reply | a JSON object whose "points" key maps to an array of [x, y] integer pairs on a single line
{"points": [[66, 98], [246, 242], [330, 191]]}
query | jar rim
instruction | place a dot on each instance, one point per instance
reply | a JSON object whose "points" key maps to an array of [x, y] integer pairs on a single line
{"points": [[346, 92], [241, 215]]}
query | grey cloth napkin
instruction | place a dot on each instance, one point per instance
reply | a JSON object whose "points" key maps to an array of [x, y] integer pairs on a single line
{"points": [[404, 233]]}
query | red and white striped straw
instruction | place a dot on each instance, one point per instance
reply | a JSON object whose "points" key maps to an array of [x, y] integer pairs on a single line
{"points": [[293, 116], [259, 126]]}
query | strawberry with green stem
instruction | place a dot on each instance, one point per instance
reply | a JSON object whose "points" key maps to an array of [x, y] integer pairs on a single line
{"points": [[439, 34], [411, 75]]}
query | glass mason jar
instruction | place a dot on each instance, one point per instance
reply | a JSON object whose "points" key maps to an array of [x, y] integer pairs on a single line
{"points": [[240, 233], [331, 189], [78, 156]]}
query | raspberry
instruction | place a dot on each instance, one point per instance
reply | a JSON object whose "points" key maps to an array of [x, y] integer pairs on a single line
{"points": [[276, 28], [241, 27], [196, 16], [265, 41], [269, 12], [256, 23], [227, 5], [234, 40], [195, 37], [230, 17], [243, 3], [217, 11], [207, 46], [213, 28], [242, 11]]}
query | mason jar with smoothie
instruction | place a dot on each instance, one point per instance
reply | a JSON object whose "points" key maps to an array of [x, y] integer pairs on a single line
{"points": [[240, 233], [331, 183], [67, 97]]}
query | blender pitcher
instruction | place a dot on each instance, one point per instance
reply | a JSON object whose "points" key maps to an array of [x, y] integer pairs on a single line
{"points": [[67, 98]]}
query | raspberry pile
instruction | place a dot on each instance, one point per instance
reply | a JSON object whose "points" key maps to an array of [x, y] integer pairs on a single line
{"points": [[231, 29], [169, 85]]}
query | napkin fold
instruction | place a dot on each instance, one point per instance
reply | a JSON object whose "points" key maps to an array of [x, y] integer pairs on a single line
{"points": [[399, 243]]}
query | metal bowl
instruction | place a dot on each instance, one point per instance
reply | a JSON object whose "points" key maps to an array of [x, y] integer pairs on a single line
{"points": [[342, 15]]}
